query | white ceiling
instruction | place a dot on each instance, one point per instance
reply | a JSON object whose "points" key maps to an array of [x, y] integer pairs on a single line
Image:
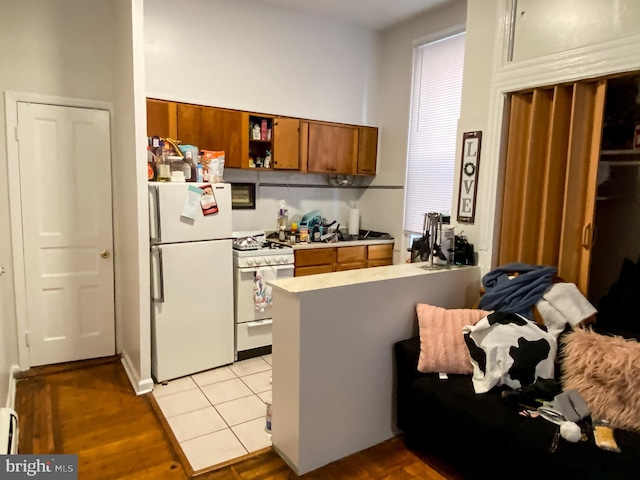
{"points": [[375, 14]]}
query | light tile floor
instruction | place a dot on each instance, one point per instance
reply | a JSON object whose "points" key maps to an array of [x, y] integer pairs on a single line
{"points": [[219, 414]]}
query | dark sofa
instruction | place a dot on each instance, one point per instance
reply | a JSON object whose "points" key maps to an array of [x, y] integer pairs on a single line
{"points": [[483, 436]]}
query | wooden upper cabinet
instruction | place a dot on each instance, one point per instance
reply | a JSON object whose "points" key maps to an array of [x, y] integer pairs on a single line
{"points": [[286, 143], [330, 148], [162, 118], [367, 150], [211, 128]]}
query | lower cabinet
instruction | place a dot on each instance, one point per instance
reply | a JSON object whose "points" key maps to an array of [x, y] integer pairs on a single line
{"points": [[337, 259]]}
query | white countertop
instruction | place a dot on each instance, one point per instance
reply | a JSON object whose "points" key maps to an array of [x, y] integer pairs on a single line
{"points": [[351, 277], [350, 243]]}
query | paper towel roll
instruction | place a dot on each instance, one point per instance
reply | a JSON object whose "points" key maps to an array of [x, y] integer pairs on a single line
{"points": [[354, 221]]}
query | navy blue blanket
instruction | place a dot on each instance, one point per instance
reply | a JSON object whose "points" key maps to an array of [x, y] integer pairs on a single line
{"points": [[519, 294]]}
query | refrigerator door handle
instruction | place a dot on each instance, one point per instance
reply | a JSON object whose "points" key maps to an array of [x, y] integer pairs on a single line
{"points": [[157, 238], [160, 298]]}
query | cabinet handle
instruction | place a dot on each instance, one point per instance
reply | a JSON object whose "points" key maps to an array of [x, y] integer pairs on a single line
{"points": [[331, 169], [587, 237]]}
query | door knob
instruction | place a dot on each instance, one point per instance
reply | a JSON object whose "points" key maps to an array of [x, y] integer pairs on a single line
{"points": [[104, 253]]}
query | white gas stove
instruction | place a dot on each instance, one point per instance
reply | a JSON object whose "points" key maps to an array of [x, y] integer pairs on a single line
{"points": [[250, 249], [256, 262]]}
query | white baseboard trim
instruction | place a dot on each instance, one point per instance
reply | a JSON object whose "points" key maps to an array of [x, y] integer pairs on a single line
{"points": [[11, 392], [140, 386]]}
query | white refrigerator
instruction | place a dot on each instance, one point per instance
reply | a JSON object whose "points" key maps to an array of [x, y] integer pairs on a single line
{"points": [[192, 324]]}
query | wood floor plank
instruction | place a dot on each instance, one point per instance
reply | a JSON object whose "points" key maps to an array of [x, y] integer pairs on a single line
{"points": [[93, 412]]}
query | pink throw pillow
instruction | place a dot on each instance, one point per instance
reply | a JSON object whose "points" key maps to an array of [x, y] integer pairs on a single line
{"points": [[442, 347]]}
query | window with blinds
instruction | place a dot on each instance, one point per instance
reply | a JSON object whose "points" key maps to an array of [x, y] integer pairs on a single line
{"points": [[435, 108]]}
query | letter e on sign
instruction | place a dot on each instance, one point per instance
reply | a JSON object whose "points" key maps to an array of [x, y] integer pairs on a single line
{"points": [[471, 142]]}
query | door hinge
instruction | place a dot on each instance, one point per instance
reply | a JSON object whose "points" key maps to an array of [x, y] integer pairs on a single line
{"points": [[26, 338], [17, 131]]}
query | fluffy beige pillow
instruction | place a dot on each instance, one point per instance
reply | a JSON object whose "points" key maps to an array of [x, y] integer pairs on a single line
{"points": [[442, 347], [606, 372]]}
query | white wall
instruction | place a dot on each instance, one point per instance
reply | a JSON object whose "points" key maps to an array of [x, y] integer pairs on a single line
{"points": [[130, 186], [383, 208], [53, 48], [253, 56]]}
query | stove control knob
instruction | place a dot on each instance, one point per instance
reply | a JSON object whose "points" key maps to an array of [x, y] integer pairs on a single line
{"points": [[249, 262], [278, 259], [268, 260], [258, 261]]}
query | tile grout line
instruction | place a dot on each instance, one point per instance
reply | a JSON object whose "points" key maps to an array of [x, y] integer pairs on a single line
{"points": [[229, 427], [205, 434]]}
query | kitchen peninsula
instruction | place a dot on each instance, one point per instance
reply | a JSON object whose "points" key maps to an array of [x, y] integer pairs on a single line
{"points": [[332, 353]]}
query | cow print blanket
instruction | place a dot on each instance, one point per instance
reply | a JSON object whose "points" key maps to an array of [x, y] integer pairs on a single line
{"points": [[507, 349]]}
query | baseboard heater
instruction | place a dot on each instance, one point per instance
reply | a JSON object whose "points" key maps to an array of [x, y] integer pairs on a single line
{"points": [[8, 431]]}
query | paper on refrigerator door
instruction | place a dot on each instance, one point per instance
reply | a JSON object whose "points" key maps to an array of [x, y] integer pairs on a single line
{"points": [[191, 203], [208, 200]]}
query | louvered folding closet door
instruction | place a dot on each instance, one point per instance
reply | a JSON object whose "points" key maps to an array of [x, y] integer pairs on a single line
{"points": [[552, 155]]}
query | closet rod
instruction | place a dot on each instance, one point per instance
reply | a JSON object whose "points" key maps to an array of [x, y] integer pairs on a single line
{"points": [[622, 163]]}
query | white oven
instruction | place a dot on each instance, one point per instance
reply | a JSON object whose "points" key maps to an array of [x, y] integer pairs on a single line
{"points": [[253, 305]]}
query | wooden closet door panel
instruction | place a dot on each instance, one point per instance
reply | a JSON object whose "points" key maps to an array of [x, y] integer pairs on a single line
{"points": [[554, 177], [534, 171], [580, 185], [519, 121]]}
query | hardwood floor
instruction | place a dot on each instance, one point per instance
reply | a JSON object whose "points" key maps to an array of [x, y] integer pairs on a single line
{"points": [[93, 411]]}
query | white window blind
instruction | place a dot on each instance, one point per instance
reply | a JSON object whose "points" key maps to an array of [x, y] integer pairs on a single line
{"points": [[435, 109]]}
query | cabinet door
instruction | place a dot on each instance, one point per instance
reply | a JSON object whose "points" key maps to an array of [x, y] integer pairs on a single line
{"points": [[379, 263], [286, 143], [161, 118], [351, 254], [315, 256], [367, 150], [377, 252], [332, 148], [304, 271], [211, 128], [341, 267]]}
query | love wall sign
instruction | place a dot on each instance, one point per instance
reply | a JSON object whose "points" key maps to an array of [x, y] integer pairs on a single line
{"points": [[469, 176]]}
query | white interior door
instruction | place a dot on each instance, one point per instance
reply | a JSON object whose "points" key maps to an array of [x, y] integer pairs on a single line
{"points": [[65, 192]]}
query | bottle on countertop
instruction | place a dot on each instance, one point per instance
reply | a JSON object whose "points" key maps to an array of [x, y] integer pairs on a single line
{"points": [[304, 233], [316, 234], [282, 234], [199, 173], [164, 166], [189, 167], [283, 218]]}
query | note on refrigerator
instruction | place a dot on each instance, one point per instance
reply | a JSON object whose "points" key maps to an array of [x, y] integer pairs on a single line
{"points": [[192, 202]]}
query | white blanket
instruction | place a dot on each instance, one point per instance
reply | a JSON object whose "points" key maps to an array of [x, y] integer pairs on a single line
{"points": [[563, 303]]}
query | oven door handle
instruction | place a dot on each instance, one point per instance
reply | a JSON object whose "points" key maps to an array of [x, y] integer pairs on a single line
{"points": [[260, 323], [275, 267]]}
